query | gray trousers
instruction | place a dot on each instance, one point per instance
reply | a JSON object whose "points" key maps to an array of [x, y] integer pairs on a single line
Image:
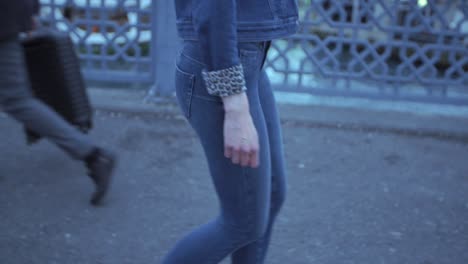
{"points": [[17, 101]]}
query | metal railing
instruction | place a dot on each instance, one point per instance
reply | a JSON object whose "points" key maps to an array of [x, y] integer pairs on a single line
{"points": [[113, 38], [386, 49], [415, 50]]}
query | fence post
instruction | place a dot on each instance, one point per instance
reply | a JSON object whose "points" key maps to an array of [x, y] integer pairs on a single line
{"points": [[164, 47]]}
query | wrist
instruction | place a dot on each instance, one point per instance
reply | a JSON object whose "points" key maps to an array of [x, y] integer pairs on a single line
{"points": [[237, 103]]}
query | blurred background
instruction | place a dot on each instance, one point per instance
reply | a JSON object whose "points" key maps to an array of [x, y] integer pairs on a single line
{"points": [[411, 49]]}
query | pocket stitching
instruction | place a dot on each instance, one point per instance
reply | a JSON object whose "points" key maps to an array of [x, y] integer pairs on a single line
{"points": [[187, 94], [193, 60]]}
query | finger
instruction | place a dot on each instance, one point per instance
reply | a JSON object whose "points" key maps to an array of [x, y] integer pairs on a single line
{"points": [[254, 159], [228, 152], [245, 158], [235, 156]]}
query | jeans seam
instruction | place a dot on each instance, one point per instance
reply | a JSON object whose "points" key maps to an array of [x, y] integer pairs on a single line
{"points": [[249, 201], [193, 60], [206, 98], [187, 92]]}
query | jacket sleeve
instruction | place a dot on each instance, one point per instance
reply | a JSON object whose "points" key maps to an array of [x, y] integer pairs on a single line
{"points": [[216, 26]]}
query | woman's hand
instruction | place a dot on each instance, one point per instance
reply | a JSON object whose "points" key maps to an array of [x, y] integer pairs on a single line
{"points": [[240, 135]]}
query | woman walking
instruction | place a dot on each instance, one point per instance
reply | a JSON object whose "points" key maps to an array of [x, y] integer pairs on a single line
{"points": [[225, 94]]}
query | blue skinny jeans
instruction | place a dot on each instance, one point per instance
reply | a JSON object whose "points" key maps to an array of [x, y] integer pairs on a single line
{"points": [[249, 199]]}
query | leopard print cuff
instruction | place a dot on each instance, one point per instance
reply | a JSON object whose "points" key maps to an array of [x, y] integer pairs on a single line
{"points": [[225, 82]]}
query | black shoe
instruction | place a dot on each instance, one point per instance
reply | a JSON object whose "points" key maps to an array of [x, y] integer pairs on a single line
{"points": [[101, 166]]}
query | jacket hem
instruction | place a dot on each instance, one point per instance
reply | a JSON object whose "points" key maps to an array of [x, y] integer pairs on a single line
{"points": [[249, 31]]}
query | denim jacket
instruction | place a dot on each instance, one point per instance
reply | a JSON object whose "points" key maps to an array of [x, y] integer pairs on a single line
{"points": [[219, 25]]}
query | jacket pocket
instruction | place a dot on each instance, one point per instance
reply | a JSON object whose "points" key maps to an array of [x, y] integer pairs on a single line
{"points": [[184, 90]]}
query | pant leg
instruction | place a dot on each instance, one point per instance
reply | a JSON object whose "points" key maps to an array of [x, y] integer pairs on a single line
{"points": [[17, 101], [256, 251], [244, 193]]}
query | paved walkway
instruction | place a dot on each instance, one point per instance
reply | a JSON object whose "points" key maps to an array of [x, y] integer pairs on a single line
{"points": [[365, 187]]}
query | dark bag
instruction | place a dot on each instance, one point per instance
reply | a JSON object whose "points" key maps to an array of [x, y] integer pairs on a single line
{"points": [[56, 79]]}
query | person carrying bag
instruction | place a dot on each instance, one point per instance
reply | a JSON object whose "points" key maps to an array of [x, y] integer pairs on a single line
{"points": [[18, 101]]}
